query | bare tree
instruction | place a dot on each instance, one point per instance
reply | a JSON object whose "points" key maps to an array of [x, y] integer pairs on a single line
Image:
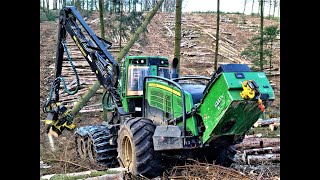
{"points": [[259, 7], [274, 7], [101, 18], [252, 7], [43, 6], [270, 8], [55, 4], [87, 8], [244, 9], [261, 35], [47, 4], [279, 8], [177, 42], [217, 37]]}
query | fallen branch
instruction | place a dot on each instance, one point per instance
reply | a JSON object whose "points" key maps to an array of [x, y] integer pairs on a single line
{"points": [[69, 162]]}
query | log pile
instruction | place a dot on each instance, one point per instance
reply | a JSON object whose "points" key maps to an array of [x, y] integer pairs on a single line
{"points": [[257, 150], [272, 123]]}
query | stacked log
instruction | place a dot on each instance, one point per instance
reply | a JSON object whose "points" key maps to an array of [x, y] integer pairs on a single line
{"points": [[273, 123], [257, 150]]}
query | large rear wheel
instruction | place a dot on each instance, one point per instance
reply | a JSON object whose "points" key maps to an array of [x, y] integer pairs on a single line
{"points": [[135, 148]]}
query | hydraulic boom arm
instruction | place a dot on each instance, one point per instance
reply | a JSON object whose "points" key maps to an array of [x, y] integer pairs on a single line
{"points": [[94, 49]]}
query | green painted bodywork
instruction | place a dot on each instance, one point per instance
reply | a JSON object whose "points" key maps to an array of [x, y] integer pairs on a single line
{"points": [[222, 110], [171, 103], [123, 79], [222, 103]]}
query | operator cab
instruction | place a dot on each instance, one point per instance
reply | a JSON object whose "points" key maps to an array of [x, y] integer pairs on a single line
{"points": [[138, 68], [135, 69]]}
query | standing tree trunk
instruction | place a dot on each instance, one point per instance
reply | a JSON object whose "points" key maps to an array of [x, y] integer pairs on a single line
{"points": [[55, 3], [129, 5], [78, 5], [43, 6], [64, 3], [261, 36], [101, 19], [91, 6], [177, 38], [217, 37], [146, 5], [135, 5], [252, 7], [107, 5], [270, 64], [244, 9], [120, 25], [270, 9], [274, 7], [87, 8], [47, 5], [259, 7], [279, 8], [141, 5]]}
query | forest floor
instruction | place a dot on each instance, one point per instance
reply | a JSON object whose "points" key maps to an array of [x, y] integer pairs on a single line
{"points": [[197, 57]]}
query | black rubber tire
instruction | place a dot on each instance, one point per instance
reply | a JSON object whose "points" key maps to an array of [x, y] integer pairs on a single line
{"points": [[225, 156], [137, 133], [81, 143], [98, 148]]}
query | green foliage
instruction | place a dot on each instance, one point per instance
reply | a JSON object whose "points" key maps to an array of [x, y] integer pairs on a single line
{"points": [[127, 24], [48, 15], [252, 51]]}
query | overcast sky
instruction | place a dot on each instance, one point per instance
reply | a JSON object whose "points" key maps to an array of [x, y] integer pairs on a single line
{"points": [[225, 6]]}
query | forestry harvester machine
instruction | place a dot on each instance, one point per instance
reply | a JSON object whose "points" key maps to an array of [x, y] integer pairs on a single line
{"points": [[154, 112]]}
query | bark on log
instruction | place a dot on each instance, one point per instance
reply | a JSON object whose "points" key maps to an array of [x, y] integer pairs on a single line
{"points": [[252, 159], [267, 150], [250, 143], [274, 126], [267, 122]]}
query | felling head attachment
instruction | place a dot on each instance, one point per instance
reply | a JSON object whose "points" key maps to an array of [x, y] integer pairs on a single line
{"points": [[250, 91], [58, 119]]}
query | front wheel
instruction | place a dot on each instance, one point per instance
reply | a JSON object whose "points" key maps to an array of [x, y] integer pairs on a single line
{"points": [[135, 148], [226, 156]]}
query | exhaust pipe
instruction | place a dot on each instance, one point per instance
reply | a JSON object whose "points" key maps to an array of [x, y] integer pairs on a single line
{"points": [[174, 73]]}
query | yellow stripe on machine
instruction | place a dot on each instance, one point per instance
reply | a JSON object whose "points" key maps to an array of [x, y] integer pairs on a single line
{"points": [[165, 88]]}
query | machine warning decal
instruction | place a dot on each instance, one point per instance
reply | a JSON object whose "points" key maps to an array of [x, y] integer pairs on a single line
{"points": [[218, 102], [81, 49]]}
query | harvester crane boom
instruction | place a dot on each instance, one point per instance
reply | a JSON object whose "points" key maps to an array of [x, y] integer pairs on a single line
{"points": [[94, 50]]}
